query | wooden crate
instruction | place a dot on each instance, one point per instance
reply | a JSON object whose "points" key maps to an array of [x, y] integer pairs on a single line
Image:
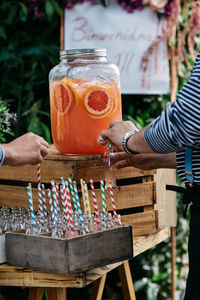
{"points": [[67, 256], [141, 197]]}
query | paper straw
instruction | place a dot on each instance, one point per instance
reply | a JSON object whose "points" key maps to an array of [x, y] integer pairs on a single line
{"points": [[69, 205], [87, 201], [38, 174], [31, 209], [57, 198], [51, 204], [113, 201], [55, 201], [44, 201], [94, 202], [64, 204], [73, 196], [103, 201], [84, 197], [79, 208], [40, 203]]}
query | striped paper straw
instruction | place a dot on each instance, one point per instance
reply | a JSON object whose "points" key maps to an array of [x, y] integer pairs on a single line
{"points": [[73, 196], [44, 201], [79, 208], [94, 202], [69, 205], [84, 197], [50, 204], [55, 201], [67, 208], [57, 198], [113, 201], [30, 200], [38, 174], [64, 204], [103, 202], [87, 201], [40, 203]]}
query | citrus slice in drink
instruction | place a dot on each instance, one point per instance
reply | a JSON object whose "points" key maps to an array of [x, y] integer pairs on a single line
{"points": [[62, 98], [69, 83], [98, 100]]}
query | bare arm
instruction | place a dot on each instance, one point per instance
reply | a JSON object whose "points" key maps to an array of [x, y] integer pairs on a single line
{"points": [[27, 149], [141, 161]]}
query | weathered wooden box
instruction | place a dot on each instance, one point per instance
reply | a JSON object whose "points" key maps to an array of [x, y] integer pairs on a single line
{"points": [[141, 197], [71, 255], [2, 249]]}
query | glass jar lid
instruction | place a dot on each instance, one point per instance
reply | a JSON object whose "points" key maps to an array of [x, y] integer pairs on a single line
{"points": [[75, 53]]}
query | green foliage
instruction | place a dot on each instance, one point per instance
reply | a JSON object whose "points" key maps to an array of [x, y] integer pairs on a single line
{"points": [[6, 121], [29, 49]]}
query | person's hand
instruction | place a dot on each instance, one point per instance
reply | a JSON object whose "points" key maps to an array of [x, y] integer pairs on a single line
{"points": [[116, 132], [27, 149], [141, 161]]}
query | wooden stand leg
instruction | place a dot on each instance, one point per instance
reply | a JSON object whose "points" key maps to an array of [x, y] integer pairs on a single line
{"points": [[97, 288], [126, 281], [36, 293], [57, 294], [173, 262]]}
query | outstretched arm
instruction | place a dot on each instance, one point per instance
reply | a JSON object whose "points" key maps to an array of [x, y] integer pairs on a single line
{"points": [[141, 161], [27, 149]]}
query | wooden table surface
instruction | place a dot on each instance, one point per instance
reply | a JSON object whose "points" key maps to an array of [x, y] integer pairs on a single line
{"points": [[16, 276]]}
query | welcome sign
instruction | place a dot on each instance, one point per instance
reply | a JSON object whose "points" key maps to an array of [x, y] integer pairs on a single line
{"points": [[126, 37]]}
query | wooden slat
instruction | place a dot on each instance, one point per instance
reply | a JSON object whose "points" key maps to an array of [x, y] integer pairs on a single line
{"points": [[56, 165], [126, 281], [165, 200], [56, 293], [15, 276], [97, 288], [135, 195], [94, 274], [143, 243], [36, 293], [142, 223]]}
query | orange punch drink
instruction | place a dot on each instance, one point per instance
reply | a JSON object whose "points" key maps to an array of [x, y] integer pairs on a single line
{"points": [[84, 98], [80, 109]]}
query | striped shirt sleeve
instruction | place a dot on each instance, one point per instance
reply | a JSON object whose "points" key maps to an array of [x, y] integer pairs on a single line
{"points": [[2, 155], [178, 127]]}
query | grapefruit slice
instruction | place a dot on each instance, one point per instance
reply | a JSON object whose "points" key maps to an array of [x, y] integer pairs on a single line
{"points": [[71, 86], [62, 98], [98, 100]]}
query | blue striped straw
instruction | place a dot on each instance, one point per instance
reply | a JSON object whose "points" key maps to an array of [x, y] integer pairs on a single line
{"points": [[55, 201], [31, 209], [79, 208]]}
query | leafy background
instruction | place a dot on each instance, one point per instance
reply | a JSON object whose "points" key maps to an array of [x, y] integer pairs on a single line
{"points": [[29, 48]]}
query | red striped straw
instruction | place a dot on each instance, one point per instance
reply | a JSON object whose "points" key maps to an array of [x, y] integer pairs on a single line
{"points": [[69, 206], [57, 197], [38, 174], [94, 202], [65, 206], [39, 187], [113, 201]]}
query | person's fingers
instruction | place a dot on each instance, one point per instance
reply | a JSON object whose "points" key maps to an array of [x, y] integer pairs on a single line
{"points": [[123, 164], [104, 135], [44, 151], [113, 123]]}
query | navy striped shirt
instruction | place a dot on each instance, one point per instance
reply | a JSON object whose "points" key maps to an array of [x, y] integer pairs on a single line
{"points": [[2, 154], [178, 127]]}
